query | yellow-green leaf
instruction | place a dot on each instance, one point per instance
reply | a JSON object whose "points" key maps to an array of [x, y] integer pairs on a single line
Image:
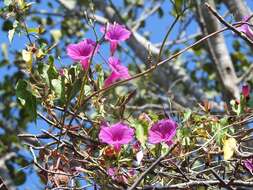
{"points": [[40, 54], [4, 48], [56, 34], [229, 147], [28, 58]]}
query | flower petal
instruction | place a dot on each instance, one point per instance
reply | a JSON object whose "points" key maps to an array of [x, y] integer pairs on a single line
{"points": [[116, 135], [105, 135], [113, 46], [82, 51], [111, 79], [162, 131]]}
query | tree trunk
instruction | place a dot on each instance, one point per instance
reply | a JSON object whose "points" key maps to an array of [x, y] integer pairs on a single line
{"points": [[219, 53], [239, 8]]}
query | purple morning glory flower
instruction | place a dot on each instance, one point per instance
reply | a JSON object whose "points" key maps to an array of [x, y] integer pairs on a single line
{"points": [[248, 164], [116, 135], [118, 71], [162, 131], [82, 51], [115, 33], [245, 28]]}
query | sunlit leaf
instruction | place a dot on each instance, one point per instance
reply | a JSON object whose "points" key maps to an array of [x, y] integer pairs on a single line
{"points": [[70, 4], [28, 58], [56, 34], [187, 115], [141, 131], [11, 34], [229, 147], [4, 48]]}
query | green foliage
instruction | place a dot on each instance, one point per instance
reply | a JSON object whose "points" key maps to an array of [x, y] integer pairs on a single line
{"points": [[141, 130], [27, 98]]}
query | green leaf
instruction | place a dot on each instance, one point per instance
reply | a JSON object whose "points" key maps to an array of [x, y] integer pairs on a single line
{"points": [[7, 25], [57, 87], [43, 68], [220, 133], [164, 149], [141, 131], [187, 115], [52, 72], [237, 108], [100, 72], [4, 48], [87, 90], [26, 97], [75, 88], [178, 4]]}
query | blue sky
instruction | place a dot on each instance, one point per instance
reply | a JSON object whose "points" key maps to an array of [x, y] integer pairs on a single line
{"points": [[157, 28]]}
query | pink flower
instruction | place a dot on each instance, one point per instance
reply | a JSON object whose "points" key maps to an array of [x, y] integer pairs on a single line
{"points": [[245, 28], [118, 71], [162, 131], [248, 164], [245, 91], [82, 51], [116, 135], [116, 33]]}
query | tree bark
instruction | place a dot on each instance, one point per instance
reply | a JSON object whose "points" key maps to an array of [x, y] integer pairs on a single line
{"points": [[219, 53], [239, 8]]}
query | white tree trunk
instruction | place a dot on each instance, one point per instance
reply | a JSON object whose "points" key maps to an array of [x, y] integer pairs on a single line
{"points": [[220, 55]]}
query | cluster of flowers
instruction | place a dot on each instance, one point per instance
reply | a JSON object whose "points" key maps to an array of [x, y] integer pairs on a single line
{"points": [[84, 50], [120, 133]]}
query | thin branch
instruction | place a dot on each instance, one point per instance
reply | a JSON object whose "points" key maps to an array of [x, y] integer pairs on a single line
{"points": [[223, 183], [197, 183], [246, 75], [2, 185], [150, 168], [230, 26]]}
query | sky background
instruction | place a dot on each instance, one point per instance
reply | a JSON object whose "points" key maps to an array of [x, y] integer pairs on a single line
{"points": [[155, 26]]}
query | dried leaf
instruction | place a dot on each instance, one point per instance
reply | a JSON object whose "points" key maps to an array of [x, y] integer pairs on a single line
{"points": [[229, 147]]}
